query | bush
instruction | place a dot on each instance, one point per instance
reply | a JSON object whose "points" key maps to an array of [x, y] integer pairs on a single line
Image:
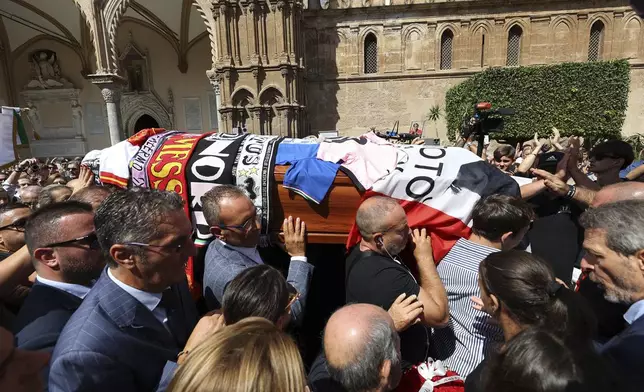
{"points": [[587, 99]]}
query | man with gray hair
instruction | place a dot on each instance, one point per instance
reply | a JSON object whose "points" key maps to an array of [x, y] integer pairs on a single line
{"points": [[233, 220], [29, 195], [614, 244], [53, 194], [610, 320], [362, 349], [375, 275], [139, 320]]}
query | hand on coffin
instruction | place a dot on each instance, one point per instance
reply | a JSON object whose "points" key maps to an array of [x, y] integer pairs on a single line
{"points": [[86, 178], [422, 246], [294, 237]]}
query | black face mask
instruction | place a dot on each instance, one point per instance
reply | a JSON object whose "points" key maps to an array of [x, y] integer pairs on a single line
{"points": [[638, 6]]}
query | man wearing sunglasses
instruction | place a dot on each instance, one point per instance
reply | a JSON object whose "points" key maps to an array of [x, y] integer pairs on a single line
{"points": [[13, 218], [67, 258], [233, 220], [138, 320], [12, 237], [606, 161]]}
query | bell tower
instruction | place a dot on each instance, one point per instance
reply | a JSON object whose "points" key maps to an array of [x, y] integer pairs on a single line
{"points": [[259, 66]]}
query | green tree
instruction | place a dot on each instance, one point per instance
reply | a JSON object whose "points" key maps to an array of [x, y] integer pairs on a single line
{"points": [[435, 114]]}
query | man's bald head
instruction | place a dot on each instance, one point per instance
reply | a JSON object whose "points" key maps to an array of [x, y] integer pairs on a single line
{"points": [[362, 348], [376, 214], [29, 195], [618, 192]]}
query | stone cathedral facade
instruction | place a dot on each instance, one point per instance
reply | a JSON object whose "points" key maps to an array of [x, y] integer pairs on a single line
{"points": [[287, 67], [355, 64]]}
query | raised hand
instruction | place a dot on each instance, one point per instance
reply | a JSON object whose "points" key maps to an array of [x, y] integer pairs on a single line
{"points": [[207, 325], [86, 177], [294, 236], [554, 139]]}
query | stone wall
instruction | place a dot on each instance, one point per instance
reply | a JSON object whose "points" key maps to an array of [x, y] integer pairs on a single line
{"points": [[412, 72], [354, 108]]}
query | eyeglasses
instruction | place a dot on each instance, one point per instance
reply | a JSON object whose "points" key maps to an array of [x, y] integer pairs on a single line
{"points": [[246, 226], [173, 248], [18, 225], [90, 239]]}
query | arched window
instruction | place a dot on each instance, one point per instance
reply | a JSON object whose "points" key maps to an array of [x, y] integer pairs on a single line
{"points": [[370, 54], [514, 46], [447, 42], [596, 43]]}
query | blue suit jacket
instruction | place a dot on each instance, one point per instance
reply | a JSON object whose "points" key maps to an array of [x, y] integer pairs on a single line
{"points": [[114, 343], [223, 264], [626, 352], [42, 318]]}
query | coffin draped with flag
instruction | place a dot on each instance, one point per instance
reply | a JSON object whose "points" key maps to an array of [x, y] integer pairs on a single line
{"points": [[320, 181]]}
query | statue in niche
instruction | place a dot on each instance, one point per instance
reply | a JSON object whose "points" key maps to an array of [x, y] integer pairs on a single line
{"points": [[46, 71], [77, 110], [32, 114]]}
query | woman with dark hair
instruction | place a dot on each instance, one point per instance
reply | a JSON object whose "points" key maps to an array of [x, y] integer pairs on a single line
{"points": [[540, 361], [260, 291], [519, 291]]}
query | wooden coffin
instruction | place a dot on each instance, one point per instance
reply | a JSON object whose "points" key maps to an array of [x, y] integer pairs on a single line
{"points": [[326, 223]]}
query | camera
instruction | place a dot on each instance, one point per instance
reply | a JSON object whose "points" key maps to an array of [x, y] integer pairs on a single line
{"points": [[484, 120]]}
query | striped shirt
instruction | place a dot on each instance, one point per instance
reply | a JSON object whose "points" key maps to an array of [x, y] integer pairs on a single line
{"points": [[470, 336]]}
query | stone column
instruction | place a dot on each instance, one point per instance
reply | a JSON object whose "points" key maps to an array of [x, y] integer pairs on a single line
{"points": [[110, 86], [214, 82], [112, 97]]}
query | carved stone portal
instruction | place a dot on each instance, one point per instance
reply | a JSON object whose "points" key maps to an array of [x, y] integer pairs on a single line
{"points": [[139, 97]]}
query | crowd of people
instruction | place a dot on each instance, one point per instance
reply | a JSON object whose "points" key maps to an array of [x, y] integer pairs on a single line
{"points": [[547, 294]]}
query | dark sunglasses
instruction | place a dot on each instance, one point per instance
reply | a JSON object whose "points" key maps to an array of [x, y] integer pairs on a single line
{"points": [[599, 157], [90, 239], [18, 225]]}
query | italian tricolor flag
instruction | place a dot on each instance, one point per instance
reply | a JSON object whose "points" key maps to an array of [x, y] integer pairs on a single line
{"points": [[12, 134]]}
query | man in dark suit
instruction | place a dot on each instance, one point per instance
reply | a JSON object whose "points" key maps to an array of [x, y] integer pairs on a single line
{"points": [[232, 218], [614, 244], [137, 321], [67, 258]]}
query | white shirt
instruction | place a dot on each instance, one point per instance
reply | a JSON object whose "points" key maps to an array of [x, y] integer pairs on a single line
{"points": [[149, 300], [253, 253], [634, 312], [76, 290]]}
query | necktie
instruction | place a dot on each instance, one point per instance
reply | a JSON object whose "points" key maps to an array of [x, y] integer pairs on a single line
{"points": [[175, 322]]}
